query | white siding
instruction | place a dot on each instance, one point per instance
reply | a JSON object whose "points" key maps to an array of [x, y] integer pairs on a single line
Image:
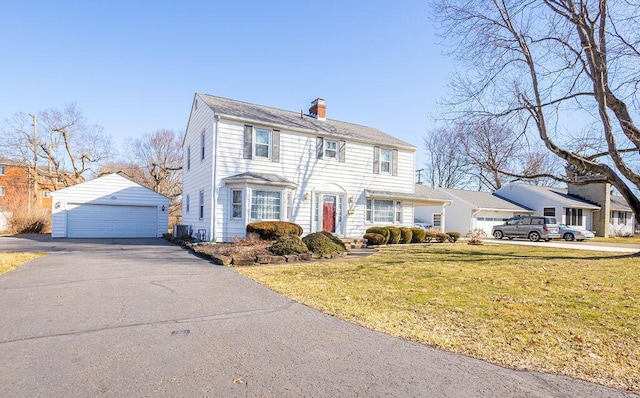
{"points": [[298, 164], [110, 190]]}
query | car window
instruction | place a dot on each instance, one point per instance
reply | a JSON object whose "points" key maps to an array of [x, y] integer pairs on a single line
{"points": [[549, 220], [525, 221], [537, 221], [513, 221]]}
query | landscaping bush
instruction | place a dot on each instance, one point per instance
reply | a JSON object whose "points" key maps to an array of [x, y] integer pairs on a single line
{"points": [[380, 230], [319, 243], [288, 245], [394, 235], [475, 237], [406, 234], [374, 239], [431, 234], [335, 240], [441, 237], [38, 222], [418, 235], [453, 236], [271, 230]]}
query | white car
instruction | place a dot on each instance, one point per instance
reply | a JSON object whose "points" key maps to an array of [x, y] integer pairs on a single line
{"points": [[419, 223], [570, 233]]}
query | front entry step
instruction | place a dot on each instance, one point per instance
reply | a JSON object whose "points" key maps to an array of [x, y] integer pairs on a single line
{"points": [[354, 243]]}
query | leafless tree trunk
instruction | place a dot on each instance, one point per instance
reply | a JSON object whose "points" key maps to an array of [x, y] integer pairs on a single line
{"points": [[66, 146], [566, 70]]}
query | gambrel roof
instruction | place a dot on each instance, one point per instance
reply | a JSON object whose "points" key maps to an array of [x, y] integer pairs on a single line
{"points": [[253, 113]]}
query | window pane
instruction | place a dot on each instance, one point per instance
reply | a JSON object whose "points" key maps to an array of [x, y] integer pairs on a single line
{"points": [[236, 199], [549, 211], [368, 215], [330, 149], [262, 144], [383, 211], [265, 205]]}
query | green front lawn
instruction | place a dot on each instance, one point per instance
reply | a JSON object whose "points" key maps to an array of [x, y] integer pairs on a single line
{"points": [[553, 310]]}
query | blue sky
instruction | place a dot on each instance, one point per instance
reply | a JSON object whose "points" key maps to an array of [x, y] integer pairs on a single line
{"points": [[134, 66]]}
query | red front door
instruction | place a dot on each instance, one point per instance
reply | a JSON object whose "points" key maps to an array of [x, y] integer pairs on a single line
{"points": [[329, 214]]}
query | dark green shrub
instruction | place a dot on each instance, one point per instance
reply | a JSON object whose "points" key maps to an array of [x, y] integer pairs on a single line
{"points": [[271, 230], [453, 236], [319, 243], [394, 237], [288, 245], [406, 234], [382, 231], [418, 235], [335, 240], [374, 239]]}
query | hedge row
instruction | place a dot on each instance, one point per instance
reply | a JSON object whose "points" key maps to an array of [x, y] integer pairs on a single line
{"points": [[287, 239], [393, 235]]}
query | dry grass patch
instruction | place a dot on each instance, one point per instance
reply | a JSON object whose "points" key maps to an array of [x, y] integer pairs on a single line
{"points": [[618, 239], [9, 261], [554, 310]]}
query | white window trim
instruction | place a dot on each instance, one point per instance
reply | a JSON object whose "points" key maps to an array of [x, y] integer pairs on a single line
{"points": [[336, 150], [202, 146], [255, 144], [189, 158], [390, 161], [233, 204], [370, 211], [201, 205], [262, 189]]}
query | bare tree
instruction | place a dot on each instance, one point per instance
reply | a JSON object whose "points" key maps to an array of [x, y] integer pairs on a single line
{"points": [[160, 155], [565, 71], [447, 167], [65, 147], [130, 170]]}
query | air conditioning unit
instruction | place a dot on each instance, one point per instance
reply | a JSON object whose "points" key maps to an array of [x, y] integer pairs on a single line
{"points": [[181, 231]]}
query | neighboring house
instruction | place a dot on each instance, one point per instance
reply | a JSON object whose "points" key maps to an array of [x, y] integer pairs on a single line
{"points": [[567, 208], [470, 210], [111, 206], [245, 163], [621, 219]]}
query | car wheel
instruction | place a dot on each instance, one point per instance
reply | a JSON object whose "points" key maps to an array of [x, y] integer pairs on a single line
{"points": [[569, 237], [498, 234], [534, 237]]}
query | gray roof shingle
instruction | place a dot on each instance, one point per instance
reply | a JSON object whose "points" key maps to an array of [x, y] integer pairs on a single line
{"points": [[486, 200], [335, 128], [618, 203]]}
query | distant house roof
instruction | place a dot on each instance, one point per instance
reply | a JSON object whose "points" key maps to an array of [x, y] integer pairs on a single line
{"points": [[618, 203], [412, 197], [427, 192], [562, 195], [259, 178], [486, 200], [299, 121]]}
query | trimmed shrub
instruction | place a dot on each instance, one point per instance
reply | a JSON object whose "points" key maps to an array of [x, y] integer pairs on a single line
{"points": [[394, 237], [406, 234], [374, 239], [271, 230], [453, 236], [418, 235], [380, 230], [335, 240], [288, 245], [319, 243], [441, 237], [431, 234]]}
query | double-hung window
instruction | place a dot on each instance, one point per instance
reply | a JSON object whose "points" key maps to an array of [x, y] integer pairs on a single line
{"points": [[188, 158], [2, 191], [573, 217], [266, 205], [186, 207], [2, 170], [236, 203], [437, 220], [202, 146], [385, 160], [384, 211], [330, 149], [261, 143]]}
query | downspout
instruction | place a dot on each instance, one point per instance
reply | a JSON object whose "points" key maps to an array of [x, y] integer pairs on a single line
{"points": [[473, 215], [443, 219], [214, 182]]}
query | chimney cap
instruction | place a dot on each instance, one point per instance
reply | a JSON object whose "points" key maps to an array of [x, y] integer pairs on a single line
{"points": [[318, 101]]}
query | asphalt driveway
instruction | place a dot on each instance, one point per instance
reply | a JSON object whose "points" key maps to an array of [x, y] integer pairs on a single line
{"points": [[147, 319]]}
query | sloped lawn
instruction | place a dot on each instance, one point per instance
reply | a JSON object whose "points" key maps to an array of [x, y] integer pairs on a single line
{"points": [[553, 310]]}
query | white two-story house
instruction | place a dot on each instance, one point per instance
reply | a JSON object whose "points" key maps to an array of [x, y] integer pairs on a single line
{"points": [[245, 163]]}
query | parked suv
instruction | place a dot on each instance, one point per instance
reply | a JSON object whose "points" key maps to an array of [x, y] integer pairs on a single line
{"points": [[534, 228]]}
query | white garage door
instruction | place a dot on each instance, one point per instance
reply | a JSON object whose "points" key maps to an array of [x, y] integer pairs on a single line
{"points": [[487, 223], [106, 221]]}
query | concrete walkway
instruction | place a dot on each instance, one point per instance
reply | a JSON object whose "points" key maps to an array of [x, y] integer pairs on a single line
{"points": [[147, 319]]}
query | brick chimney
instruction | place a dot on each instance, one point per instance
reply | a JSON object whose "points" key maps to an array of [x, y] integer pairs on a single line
{"points": [[318, 109]]}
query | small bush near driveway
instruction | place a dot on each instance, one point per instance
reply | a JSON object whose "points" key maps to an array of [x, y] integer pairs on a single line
{"points": [[568, 312]]}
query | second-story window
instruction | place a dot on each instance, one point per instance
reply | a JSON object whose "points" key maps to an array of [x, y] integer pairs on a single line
{"points": [[188, 158], [187, 204], [2, 170], [330, 149], [385, 161], [261, 143]]}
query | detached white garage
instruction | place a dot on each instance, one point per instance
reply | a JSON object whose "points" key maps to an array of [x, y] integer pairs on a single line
{"points": [[108, 207]]}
